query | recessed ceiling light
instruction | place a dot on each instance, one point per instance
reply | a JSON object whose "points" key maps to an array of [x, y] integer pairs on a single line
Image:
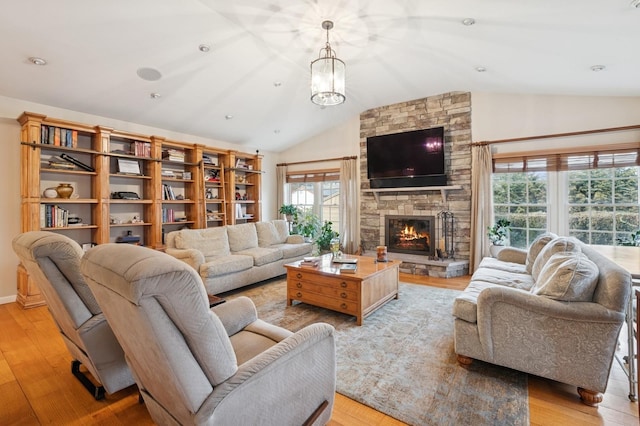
{"points": [[37, 61], [598, 68], [635, 4], [468, 21], [481, 69], [155, 95], [228, 117], [276, 131], [277, 83], [204, 48], [149, 74]]}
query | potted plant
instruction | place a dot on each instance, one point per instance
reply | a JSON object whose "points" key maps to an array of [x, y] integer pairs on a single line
{"points": [[325, 236], [308, 224], [289, 211], [498, 235]]}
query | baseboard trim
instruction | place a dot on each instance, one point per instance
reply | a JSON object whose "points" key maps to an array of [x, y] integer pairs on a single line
{"points": [[7, 299]]}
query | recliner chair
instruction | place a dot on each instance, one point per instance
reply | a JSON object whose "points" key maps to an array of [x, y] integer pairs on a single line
{"points": [[200, 365], [53, 262]]}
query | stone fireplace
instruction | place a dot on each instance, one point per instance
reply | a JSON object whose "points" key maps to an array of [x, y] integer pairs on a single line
{"points": [[452, 111], [410, 234]]}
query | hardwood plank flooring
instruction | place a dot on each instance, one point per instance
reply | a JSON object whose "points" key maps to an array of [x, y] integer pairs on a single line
{"points": [[36, 385]]}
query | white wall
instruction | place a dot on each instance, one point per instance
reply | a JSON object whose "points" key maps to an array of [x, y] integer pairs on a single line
{"points": [[504, 116], [10, 109]]}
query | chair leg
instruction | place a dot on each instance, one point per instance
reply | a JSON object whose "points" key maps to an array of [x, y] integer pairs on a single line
{"points": [[96, 391], [314, 416]]}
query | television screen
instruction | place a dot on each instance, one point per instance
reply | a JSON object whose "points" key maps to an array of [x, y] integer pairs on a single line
{"points": [[407, 154]]}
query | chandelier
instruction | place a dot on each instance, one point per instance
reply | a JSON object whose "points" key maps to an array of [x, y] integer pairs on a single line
{"points": [[327, 75]]}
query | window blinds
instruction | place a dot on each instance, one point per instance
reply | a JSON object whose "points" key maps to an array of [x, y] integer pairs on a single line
{"points": [[599, 158]]}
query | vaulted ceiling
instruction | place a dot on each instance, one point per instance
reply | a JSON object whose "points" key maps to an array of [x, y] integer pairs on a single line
{"points": [[252, 86]]}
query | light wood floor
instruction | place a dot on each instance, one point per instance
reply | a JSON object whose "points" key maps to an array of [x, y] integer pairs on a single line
{"points": [[36, 386]]}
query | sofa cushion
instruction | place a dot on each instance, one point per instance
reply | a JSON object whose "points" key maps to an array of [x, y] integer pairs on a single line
{"points": [[225, 265], [282, 228], [552, 247], [210, 242], [465, 306], [262, 255], [294, 250], [267, 234], [504, 278], [568, 277], [242, 237], [536, 246], [493, 263]]}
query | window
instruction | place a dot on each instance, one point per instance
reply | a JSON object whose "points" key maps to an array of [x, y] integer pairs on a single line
{"points": [[317, 192], [592, 196]]}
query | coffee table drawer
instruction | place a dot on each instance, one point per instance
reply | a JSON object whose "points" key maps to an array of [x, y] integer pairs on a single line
{"points": [[332, 281], [325, 290], [345, 306]]}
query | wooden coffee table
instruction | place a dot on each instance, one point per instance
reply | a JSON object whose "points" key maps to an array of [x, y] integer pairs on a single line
{"points": [[359, 294]]}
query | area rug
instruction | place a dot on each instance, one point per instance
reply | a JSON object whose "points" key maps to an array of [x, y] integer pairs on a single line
{"points": [[401, 360]]}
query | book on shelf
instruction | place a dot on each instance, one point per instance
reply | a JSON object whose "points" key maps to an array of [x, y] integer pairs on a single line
{"points": [[348, 268], [173, 155]]}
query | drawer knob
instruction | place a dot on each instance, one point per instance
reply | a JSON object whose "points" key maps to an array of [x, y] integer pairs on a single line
{"points": [[343, 306], [298, 275], [298, 294], [343, 284], [299, 285], [343, 295]]}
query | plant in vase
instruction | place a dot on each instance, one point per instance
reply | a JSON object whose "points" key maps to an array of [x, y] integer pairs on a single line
{"points": [[498, 235], [289, 211], [308, 225], [325, 237]]}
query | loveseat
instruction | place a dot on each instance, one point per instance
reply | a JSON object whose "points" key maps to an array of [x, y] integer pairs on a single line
{"points": [[233, 256], [554, 311]]}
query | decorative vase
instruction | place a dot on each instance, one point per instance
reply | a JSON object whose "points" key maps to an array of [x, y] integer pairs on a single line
{"points": [[64, 190], [50, 193]]}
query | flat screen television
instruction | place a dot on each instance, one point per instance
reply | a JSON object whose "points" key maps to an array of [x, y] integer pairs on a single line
{"points": [[413, 158]]}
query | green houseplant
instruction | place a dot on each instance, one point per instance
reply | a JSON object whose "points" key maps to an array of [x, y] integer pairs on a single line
{"points": [[499, 232], [325, 236], [308, 224], [290, 211]]}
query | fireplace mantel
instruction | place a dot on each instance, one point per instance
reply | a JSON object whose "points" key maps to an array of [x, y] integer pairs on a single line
{"points": [[443, 190]]}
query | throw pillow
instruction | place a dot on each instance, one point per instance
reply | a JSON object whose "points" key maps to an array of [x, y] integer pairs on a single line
{"points": [[242, 236], [536, 246], [282, 228], [568, 277], [267, 234], [210, 242], [552, 247]]}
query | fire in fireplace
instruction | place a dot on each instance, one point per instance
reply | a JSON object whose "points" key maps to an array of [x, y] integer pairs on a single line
{"points": [[410, 234]]}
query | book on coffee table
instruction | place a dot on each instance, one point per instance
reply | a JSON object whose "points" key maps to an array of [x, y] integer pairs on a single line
{"points": [[346, 260], [348, 268]]}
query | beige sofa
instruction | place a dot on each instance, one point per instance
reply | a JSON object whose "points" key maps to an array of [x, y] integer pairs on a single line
{"points": [[234, 256], [555, 311]]}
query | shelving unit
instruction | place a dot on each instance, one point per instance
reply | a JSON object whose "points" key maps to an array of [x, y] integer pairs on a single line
{"points": [[244, 180], [151, 167], [214, 195]]}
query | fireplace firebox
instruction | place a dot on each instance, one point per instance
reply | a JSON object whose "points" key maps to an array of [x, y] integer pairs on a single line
{"points": [[410, 234]]}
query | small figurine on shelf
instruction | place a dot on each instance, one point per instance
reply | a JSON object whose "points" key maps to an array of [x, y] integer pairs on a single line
{"points": [[238, 197], [136, 219]]}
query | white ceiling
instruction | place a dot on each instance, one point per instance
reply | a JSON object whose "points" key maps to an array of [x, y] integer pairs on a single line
{"points": [[395, 50]]}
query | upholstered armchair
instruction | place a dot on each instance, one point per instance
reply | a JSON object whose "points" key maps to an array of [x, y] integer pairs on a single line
{"points": [[200, 365], [53, 262]]}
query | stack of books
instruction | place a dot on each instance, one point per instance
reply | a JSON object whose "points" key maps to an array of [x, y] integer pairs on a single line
{"points": [[173, 155], [348, 268], [309, 261]]}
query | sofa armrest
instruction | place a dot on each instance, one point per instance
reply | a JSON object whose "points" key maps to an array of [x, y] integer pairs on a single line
{"points": [[295, 239], [513, 255], [302, 364], [192, 257]]}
